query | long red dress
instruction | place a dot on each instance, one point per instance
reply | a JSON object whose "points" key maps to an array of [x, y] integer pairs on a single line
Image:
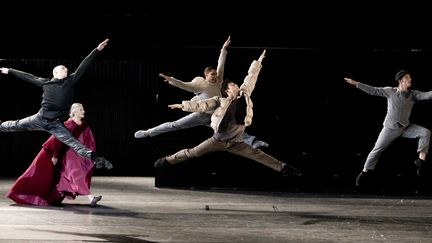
{"points": [[46, 184]]}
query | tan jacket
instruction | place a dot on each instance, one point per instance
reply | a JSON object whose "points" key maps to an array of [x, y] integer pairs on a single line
{"points": [[221, 104], [202, 88]]}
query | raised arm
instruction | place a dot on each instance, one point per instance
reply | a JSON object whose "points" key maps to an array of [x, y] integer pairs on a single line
{"points": [[250, 80], [88, 60], [221, 61]]}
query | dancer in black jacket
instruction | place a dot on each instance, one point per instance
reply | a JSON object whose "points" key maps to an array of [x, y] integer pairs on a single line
{"points": [[58, 94]]}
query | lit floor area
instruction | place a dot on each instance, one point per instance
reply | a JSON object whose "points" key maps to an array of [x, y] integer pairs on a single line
{"points": [[133, 210]]}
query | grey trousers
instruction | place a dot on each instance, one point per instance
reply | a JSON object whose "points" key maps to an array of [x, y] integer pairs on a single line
{"points": [[387, 136], [194, 119], [239, 148], [38, 123]]}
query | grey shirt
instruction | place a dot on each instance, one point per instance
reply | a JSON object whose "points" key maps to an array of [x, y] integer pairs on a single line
{"points": [[399, 103]]}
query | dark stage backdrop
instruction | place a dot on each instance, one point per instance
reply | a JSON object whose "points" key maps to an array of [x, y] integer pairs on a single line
{"points": [[303, 108]]}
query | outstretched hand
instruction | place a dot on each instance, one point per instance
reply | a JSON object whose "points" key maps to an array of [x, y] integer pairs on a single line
{"points": [[260, 59], [4, 70], [102, 44], [176, 106], [166, 77], [351, 81], [227, 42]]}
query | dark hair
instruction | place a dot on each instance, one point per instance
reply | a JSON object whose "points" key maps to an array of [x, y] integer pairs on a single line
{"points": [[224, 86], [208, 69]]}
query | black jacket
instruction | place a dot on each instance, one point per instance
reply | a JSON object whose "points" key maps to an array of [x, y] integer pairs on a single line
{"points": [[58, 94]]}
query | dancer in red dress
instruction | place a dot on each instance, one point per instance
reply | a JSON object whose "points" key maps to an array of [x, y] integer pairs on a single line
{"points": [[58, 172]]}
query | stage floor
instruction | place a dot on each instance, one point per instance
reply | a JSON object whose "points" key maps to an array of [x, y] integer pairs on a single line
{"points": [[133, 210]]}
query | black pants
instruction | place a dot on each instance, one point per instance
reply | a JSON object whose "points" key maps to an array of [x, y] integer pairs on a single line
{"points": [[38, 123]]}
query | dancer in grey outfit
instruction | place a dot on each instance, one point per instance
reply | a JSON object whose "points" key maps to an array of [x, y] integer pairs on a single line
{"points": [[232, 114], [203, 88], [400, 101]]}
